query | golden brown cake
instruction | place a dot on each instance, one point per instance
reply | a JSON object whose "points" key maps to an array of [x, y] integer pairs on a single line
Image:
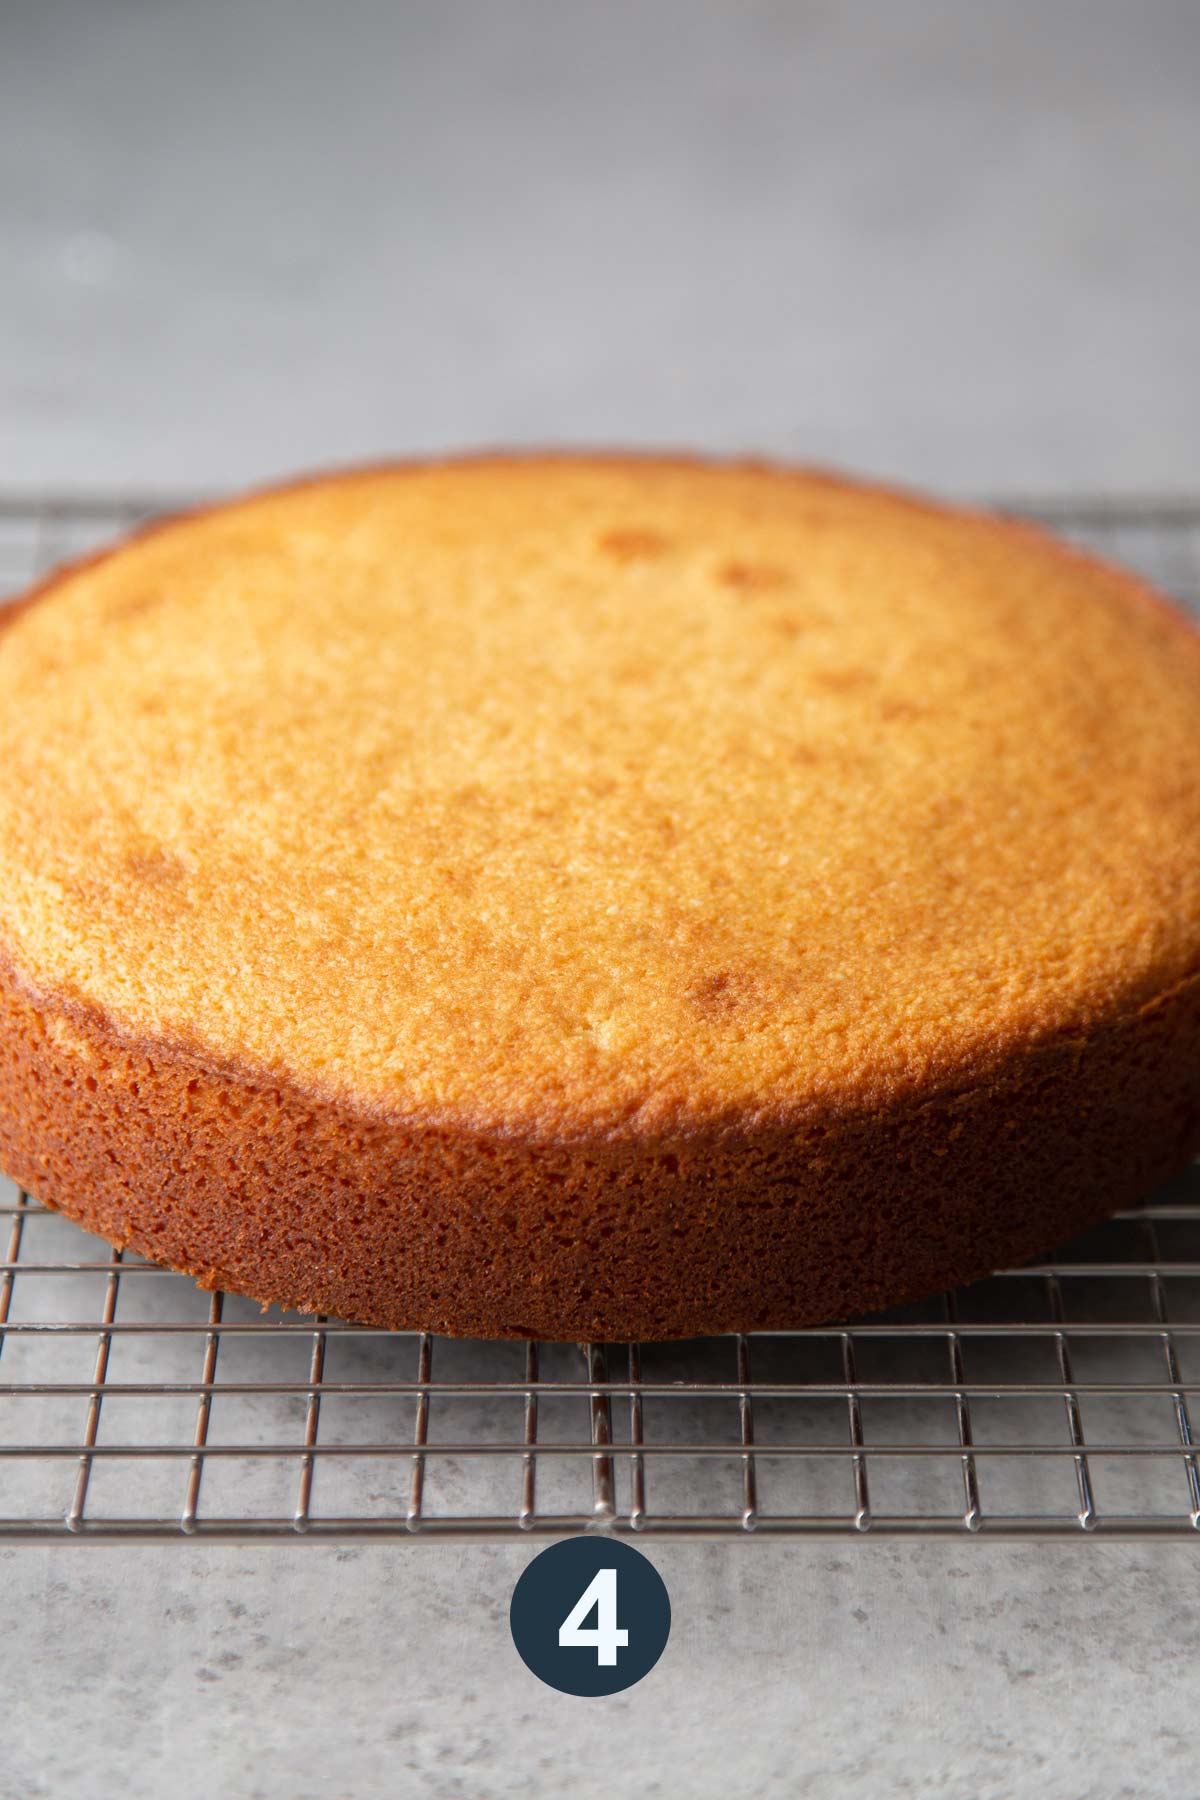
{"points": [[594, 897]]}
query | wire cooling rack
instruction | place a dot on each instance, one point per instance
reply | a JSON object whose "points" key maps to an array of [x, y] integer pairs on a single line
{"points": [[1055, 1400]]}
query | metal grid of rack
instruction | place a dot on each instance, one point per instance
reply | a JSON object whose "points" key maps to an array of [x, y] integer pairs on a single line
{"points": [[1056, 1400]]}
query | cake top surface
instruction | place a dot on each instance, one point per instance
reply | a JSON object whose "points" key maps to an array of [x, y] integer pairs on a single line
{"points": [[582, 795]]}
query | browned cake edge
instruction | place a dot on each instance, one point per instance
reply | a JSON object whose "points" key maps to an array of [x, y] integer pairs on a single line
{"points": [[249, 1183], [253, 1186]]}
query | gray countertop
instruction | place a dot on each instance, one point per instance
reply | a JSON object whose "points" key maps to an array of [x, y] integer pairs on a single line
{"points": [[947, 244], [951, 244], [978, 1672]]}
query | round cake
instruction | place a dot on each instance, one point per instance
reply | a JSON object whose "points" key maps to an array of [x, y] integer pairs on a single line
{"points": [[596, 897]]}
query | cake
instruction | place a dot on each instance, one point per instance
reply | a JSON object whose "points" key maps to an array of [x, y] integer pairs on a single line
{"points": [[596, 897]]}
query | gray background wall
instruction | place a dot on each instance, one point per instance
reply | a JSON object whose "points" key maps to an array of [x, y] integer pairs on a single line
{"points": [[951, 243]]}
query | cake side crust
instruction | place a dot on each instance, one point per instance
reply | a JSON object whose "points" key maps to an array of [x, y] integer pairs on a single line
{"points": [[253, 1186]]}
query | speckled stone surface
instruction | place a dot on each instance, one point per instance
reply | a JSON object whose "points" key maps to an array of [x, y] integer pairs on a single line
{"points": [[946, 244], [970, 1673]]}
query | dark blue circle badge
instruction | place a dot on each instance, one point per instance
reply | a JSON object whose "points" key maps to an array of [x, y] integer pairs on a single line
{"points": [[590, 1616]]}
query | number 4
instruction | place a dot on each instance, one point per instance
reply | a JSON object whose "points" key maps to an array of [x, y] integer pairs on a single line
{"points": [[605, 1636]]}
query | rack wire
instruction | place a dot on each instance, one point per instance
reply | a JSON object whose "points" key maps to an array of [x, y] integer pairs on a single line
{"points": [[1059, 1400]]}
